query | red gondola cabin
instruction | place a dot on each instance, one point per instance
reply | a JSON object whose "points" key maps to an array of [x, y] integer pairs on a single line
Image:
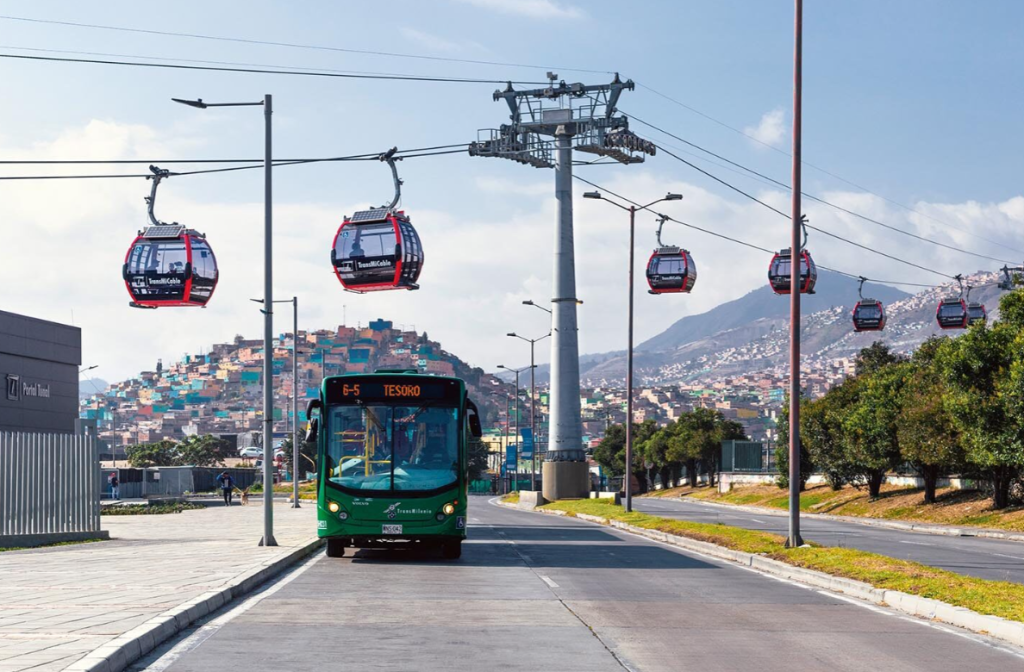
{"points": [[377, 250], [780, 268], [169, 265], [671, 270], [868, 315], [952, 313], [976, 314]]}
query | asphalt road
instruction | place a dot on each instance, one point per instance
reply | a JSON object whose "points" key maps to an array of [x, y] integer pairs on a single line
{"points": [[536, 592], [972, 556]]}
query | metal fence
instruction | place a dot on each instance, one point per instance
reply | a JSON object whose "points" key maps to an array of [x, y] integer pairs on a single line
{"points": [[172, 481], [746, 457], [48, 485]]}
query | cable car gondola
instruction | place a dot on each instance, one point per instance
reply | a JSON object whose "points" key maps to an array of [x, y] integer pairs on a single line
{"points": [[976, 313], [670, 269], [868, 314], [779, 272], [378, 249], [169, 264], [780, 268], [951, 312]]}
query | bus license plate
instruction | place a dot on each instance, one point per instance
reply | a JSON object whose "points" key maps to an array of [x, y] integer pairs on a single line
{"points": [[391, 529]]}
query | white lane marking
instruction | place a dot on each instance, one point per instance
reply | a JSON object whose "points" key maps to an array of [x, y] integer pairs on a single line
{"points": [[915, 543], [1014, 557], [548, 581], [977, 639], [757, 521], [207, 630]]}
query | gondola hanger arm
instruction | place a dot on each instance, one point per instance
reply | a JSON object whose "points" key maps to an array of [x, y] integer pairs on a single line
{"points": [[158, 174], [389, 158]]}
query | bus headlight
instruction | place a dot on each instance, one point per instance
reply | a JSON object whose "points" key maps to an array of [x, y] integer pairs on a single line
{"points": [[448, 509], [333, 507]]}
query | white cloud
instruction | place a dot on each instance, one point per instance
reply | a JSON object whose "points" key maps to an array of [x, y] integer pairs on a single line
{"points": [[436, 43], [534, 9], [499, 185], [771, 130]]}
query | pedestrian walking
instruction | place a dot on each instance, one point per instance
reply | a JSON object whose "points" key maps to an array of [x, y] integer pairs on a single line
{"points": [[115, 486], [227, 486]]}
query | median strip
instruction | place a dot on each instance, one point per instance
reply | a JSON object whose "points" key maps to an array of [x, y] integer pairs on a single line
{"points": [[989, 607]]}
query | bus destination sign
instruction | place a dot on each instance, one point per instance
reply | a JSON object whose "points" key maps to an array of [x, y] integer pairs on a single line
{"points": [[353, 389]]}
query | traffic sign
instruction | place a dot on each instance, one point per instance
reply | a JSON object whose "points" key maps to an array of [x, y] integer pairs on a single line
{"points": [[527, 453], [510, 456]]}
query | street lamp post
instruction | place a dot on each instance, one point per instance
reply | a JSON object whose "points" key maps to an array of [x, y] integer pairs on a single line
{"points": [[532, 366], [533, 403], [627, 485], [268, 313], [293, 426]]}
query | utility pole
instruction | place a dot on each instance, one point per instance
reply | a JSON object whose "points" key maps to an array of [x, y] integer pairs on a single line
{"points": [[533, 399], [573, 116], [295, 403], [794, 539]]}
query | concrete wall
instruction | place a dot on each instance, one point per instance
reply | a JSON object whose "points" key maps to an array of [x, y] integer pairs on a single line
{"points": [[39, 362]]}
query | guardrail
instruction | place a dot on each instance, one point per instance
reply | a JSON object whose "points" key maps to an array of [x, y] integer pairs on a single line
{"points": [[48, 488]]}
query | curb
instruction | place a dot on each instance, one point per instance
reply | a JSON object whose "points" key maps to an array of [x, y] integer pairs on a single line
{"points": [[119, 653], [923, 607], [922, 528]]}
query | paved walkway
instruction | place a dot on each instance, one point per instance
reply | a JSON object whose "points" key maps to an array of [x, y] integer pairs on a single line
{"points": [[58, 604]]}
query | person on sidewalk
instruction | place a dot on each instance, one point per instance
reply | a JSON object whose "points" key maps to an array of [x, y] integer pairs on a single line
{"points": [[115, 486], [227, 486]]}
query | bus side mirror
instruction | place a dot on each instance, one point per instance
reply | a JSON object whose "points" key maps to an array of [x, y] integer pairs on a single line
{"points": [[474, 420], [313, 428]]}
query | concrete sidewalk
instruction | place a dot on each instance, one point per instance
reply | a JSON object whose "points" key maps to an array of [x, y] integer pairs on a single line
{"points": [[60, 604]]}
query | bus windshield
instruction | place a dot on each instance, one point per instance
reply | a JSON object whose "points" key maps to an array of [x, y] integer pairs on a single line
{"points": [[385, 448]]}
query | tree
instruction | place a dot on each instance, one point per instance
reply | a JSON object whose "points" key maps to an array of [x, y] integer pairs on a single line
{"points": [[983, 374], [927, 435], [611, 452], [871, 424], [477, 459], [698, 437], [782, 448], [822, 433], [874, 357], [158, 454], [307, 455], [203, 451]]}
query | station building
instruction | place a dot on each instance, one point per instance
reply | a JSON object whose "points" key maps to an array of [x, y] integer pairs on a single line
{"points": [[39, 364]]}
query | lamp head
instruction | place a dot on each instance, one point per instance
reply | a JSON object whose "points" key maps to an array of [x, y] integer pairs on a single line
{"points": [[191, 103], [592, 194], [512, 334], [528, 302], [673, 197]]}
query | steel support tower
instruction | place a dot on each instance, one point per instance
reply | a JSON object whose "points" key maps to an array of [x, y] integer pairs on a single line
{"points": [[547, 124]]}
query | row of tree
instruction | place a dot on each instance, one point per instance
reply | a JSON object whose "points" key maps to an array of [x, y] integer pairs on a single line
{"points": [[955, 407], [198, 451], [691, 443]]}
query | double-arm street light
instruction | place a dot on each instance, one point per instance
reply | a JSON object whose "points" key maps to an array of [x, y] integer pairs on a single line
{"points": [[268, 313], [533, 402], [294, 425], [517, 372], [629, 347]]}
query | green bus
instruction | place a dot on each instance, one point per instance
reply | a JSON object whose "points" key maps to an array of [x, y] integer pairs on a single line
{"points": [[392, 462]]}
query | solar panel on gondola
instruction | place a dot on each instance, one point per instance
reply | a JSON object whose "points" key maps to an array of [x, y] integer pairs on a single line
{"points": [[670, 269], [378, 249], [169, 265]]}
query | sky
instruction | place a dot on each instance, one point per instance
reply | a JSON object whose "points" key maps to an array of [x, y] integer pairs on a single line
{"points": [[913, 115]]}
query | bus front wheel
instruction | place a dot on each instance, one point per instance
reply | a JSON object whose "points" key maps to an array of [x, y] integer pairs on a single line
{"points": [[335, 548], [451, 550]]}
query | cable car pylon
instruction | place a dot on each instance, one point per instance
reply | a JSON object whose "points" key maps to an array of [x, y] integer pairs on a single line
{"points": [[378, 249]]}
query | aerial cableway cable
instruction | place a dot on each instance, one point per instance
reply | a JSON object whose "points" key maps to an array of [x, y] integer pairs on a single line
{"points": [[411, 154], [823, 201], [293, 45], [811, 165], [263, 71], [751, 245]]}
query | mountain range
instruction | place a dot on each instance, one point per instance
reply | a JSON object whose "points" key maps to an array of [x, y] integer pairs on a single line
{"points": [[752, 333]]}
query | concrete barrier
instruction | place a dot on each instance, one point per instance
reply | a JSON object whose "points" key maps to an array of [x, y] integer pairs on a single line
{"points": [[530, 499]]}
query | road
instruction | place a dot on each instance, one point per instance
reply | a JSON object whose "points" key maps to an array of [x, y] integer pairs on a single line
{"points": [[972, 556], [536, 592]]}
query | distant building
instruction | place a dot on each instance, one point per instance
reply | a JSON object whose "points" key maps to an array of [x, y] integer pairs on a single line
{"points": [[39, 363]]}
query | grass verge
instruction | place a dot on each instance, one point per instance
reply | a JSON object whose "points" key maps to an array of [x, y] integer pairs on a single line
{"points": [[511, 498], [997, 598], [953, 507], [144, 510]]}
